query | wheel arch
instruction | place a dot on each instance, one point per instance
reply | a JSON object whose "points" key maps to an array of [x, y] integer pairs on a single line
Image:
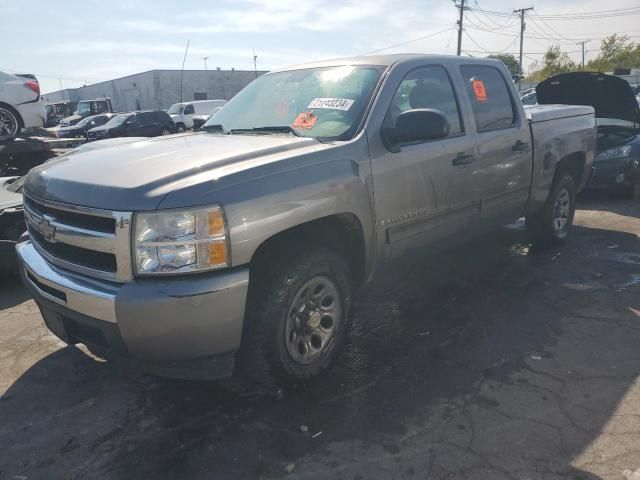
{"points": [[341, 232]]}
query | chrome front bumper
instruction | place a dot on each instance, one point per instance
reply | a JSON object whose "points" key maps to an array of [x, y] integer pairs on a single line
{"points": [[96, 300], [164, 322]]}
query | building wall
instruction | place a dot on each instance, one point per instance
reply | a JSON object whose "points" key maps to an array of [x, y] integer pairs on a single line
{"points": [[160, 88]]}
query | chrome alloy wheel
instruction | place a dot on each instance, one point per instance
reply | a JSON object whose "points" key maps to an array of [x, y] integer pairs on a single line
{"points": [[561, 213], [8, 123], [313, 319]]}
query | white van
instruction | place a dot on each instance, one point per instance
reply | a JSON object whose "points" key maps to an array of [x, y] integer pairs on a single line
{"points": [[182, 113]]}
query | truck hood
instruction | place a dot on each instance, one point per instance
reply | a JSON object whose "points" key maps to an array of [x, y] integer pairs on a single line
{"points": [[137, 176], [610, 96]]}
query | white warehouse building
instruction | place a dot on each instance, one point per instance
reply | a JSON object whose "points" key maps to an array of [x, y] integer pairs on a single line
{"points": [[159, 89]]}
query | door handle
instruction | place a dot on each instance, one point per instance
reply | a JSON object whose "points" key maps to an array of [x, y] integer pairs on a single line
{"points": [[520, 146], [462, 159]]}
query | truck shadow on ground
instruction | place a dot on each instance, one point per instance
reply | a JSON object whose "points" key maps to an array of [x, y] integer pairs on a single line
{"points": [[489, 362]]}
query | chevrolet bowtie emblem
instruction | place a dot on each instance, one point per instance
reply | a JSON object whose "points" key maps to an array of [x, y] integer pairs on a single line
{"points": [[47, 230]]}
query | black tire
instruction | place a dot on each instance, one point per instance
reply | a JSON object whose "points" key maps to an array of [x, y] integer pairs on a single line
{"points": [[180, 128], [165, 131], [264, 356], [551, 225]]}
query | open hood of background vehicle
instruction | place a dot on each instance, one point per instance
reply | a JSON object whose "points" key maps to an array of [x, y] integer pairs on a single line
{"points": [[610, 96]]}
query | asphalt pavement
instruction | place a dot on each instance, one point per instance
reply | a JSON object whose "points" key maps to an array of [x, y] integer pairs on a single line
{"points": [[492, 362]]}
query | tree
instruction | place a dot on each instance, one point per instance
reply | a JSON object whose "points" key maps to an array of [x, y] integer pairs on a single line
{"points": [[510, 61], [616, 52], [554, 62]]}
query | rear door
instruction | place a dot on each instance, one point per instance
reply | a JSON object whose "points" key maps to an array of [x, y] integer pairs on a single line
{"points": [[502, 171], [424, 193]]}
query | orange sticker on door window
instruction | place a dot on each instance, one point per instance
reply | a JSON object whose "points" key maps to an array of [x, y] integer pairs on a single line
{"points": [[479, 90], [305, 120]]}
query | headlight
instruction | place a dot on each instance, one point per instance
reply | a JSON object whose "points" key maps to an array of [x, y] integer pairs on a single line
{"points": [[178, 241], [619, 152]]}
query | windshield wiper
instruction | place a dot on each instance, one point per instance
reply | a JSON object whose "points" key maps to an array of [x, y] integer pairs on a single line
{"points": [[267, 129], [213, 128]]}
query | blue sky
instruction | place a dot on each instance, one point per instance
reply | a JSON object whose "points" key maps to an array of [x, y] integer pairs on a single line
{"points": [[70, 42]]}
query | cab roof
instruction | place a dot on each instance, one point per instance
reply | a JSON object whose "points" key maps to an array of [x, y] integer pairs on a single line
{"points": [[388, 60]]}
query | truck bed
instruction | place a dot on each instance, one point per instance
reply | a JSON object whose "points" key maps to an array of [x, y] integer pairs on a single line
{"points": [[559, 132], [545, 113]]}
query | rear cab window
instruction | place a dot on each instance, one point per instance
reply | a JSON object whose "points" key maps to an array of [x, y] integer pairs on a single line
{"points": [[492, 104]]}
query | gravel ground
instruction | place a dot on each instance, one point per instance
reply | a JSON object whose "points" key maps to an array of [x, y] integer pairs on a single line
{"points": [[491, 362]]}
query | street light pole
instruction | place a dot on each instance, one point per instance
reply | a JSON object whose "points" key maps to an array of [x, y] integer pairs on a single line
{"points": [[205, 62]]}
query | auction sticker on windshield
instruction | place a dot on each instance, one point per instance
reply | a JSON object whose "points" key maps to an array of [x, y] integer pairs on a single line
{"points": [[331, 103], [305, 120]]}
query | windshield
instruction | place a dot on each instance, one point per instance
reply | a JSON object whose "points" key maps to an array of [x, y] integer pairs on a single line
{"points": [[318, 102], [118, 119], [84, 108], [84, 121], [175, 108]]}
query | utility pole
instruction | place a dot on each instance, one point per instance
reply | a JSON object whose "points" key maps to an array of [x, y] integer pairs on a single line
{"points": [[461, 7], [255, 63], [582, 43], [521, 11], [205, 62]]}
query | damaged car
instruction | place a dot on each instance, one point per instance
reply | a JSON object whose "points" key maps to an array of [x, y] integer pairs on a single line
{"points": [[616, 166], [12, 224]]}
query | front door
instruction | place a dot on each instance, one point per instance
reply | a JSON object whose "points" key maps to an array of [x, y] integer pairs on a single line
{"points": [[424, 193]]}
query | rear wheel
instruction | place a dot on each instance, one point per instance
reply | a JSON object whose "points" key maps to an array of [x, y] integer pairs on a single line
{"points": [[553, 222], [165, 131], [298, 317], [9, 122]]}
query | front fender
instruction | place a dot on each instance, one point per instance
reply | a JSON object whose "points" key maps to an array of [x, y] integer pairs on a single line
{"points": [[270, 199]]}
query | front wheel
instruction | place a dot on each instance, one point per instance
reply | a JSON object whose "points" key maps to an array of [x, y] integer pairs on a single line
{"points": [[298, 317], [180, 128], [165, 131], [552, 224]]}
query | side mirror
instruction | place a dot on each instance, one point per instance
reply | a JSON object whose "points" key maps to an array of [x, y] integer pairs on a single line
{"points": [[417, 125], [93, 123]]}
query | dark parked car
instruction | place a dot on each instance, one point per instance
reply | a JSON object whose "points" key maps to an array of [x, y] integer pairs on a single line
{"points": [[616, 166], [11, 221], [136, 124], [81, 128]]}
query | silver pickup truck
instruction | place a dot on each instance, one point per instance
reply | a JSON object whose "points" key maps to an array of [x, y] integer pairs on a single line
{"points": [[240, 248]]}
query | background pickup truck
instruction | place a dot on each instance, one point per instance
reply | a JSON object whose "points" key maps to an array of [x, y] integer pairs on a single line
{"points": [[240, 248]]}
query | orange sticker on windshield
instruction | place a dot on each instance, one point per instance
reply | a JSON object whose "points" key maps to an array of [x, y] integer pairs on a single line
{"points": [[479, 90], [305, 120]]}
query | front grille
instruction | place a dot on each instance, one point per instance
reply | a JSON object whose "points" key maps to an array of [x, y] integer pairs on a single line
{"points": [[89, 241], [77, 255]]}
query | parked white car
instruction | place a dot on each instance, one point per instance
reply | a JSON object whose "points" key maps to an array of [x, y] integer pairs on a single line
{"points": [[20, 104], [182, 113]]}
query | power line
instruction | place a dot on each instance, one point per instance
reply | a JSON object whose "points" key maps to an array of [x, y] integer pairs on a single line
{"points": [[407, 42], [572, 16]]}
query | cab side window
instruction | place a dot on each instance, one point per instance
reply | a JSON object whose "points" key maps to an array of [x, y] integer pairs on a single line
{"points": [[493, 107], [427, 87], [188, 110]]}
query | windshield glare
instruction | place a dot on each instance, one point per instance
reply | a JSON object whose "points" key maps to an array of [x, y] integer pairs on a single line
{"points": [[175, 108], [318, 102], [117, 120]]}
